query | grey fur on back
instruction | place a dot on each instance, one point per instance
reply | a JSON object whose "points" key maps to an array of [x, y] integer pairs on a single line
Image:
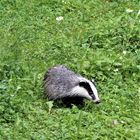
{"points": [[58, 82]]}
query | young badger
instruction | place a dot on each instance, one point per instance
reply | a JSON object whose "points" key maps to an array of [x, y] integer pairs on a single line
{"points": [[61, 83]]}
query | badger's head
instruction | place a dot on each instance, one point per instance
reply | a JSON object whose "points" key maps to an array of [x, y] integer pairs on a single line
{"points": [[86, 89]]}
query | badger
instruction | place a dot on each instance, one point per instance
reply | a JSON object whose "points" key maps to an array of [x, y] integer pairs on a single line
{"points": [[62, 83]]}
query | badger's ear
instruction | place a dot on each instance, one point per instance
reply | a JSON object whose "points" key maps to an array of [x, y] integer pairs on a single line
{"points": [[86, 85]]}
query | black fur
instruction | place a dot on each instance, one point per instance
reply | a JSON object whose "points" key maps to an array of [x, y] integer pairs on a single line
{"points": [[88, 88], [69, 101]]}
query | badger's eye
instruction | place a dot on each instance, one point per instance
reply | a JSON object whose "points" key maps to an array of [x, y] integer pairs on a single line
{"points": [[86, 86]]}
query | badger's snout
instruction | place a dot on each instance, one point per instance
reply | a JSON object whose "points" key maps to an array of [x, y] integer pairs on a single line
{"points": [[97, 101]]}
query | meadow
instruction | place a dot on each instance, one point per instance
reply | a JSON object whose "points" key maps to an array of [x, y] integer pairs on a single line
{"points": [[100, 39]]}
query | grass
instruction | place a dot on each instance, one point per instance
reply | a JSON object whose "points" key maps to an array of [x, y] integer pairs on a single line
{"points": [[98, 39]]}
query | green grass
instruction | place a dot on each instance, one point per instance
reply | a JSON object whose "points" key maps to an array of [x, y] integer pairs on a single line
{"points": [[96, 38]]}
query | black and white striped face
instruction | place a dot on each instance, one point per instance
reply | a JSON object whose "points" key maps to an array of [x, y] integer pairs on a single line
{"points": [[91, 90]]}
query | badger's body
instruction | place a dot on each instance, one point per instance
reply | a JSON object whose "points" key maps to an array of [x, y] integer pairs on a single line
{"points": [[60, 83]]}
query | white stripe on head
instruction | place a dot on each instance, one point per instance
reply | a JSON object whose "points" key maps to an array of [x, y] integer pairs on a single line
{"points": [[92, 87], [76, 91], [80, 91]]}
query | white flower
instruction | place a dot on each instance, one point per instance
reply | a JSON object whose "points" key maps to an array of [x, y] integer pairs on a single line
{"points": [[59, 18], [116, 70], [124, 52], [115, 122], [139, 91], [64, 1], [122, 122], [92, 80], [139, 12], [18, 87], [121, 57], [129, 10]]}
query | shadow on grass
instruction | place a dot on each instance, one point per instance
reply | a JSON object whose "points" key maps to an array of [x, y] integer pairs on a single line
{"points": [[69, 102]]}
